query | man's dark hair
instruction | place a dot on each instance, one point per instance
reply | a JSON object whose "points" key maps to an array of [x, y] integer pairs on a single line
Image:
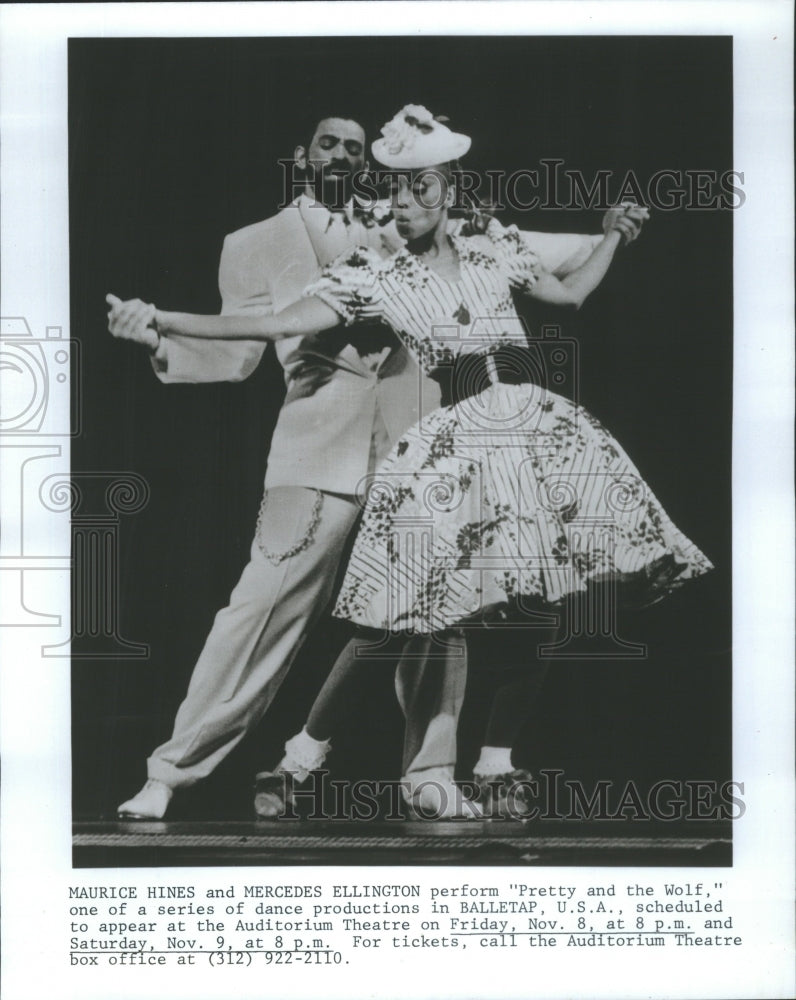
{"points": [[310, 123]]}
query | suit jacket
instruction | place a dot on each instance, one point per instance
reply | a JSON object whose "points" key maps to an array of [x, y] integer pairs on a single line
{"points": [[351, 392]]}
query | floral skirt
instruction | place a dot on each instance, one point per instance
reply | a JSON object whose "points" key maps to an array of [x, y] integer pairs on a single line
{"points": [[513, 496]]}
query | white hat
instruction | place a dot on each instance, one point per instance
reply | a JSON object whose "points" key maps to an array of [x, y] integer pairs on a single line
{"points": [[414, 139]]}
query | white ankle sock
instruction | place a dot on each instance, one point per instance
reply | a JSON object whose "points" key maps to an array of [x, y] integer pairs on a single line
{"points": [[493, 760], [304, 754]]}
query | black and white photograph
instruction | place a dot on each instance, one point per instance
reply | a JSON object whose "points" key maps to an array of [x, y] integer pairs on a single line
{"points": [[397, 558], [493, 542]]}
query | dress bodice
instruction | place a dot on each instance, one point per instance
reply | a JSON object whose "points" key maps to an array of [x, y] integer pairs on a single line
{"points": [[436, 318]]}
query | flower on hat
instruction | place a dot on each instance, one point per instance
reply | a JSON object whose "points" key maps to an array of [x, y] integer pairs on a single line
{"points": [[401, 132]]}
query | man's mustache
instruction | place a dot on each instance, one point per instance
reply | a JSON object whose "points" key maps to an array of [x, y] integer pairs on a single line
{"points": [[337, 167], [320, 170]]}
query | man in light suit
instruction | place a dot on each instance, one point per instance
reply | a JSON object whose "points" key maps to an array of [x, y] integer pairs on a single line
{"points": [[348, 399], [350, 396]]}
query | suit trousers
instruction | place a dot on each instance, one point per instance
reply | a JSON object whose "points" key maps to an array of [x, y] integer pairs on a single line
{"points": [[283, 591]]}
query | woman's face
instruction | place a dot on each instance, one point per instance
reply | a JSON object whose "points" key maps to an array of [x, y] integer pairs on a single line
{"points": [[419, 200]]}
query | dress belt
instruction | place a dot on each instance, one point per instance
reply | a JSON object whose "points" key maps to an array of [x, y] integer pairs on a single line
{"points": [[471, 374]]}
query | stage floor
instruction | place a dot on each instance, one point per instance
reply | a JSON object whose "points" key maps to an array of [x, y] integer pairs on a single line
{"points": [[104, 844]]}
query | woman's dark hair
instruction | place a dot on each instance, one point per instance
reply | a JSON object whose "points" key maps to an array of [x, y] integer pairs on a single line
{"points": [[476, 213]]}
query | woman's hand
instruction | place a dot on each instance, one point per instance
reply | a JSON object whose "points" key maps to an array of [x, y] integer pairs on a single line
{"points": [[625, 219], [143, 323]]}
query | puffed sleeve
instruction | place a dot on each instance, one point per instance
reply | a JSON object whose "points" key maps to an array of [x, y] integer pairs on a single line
{"points": [[350, 286], [517, 261]]}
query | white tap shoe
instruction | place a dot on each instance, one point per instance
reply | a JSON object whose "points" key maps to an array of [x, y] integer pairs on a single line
{"points": [[438, 798], [150, 803]]}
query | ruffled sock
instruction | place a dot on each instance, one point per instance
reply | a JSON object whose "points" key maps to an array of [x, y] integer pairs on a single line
{"points": [[493, 761], [304, 754]]}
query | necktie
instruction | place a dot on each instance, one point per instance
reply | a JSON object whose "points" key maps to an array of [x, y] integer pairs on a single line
{"points": [[336, 217], [336, 238]]}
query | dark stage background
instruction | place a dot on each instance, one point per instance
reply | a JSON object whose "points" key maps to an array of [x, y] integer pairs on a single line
{"points": [[173, 144]]}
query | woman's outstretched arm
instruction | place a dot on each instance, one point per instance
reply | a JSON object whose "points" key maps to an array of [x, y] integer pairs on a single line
{"points": [[301, 319], [307, 316], [580, 283]]}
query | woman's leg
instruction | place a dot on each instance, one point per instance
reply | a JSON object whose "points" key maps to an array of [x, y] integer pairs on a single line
{"points": [[513, 702], [515, 694], [334, 705], [333, 708], [307, 750]]}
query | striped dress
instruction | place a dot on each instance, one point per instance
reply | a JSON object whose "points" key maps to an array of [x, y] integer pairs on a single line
{"points": [[514, 497]]}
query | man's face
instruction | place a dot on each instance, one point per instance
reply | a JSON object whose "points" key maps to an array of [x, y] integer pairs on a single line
{"points": [[336, 153]]}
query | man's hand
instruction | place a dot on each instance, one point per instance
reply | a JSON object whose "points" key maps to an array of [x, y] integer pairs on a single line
{"points": [[133, 320], [626, 219]]}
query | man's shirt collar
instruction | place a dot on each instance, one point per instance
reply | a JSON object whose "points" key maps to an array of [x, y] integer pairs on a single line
{"points": [[325, 216]]}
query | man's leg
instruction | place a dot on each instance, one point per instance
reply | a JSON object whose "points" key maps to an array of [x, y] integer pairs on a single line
{"points": [[281, 593], [430, 681]]}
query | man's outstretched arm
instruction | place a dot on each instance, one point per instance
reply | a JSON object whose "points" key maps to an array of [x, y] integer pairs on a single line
{"points": [[188, 360]]}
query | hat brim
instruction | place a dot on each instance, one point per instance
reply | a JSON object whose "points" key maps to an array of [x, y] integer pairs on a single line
{"points": [[430, 151]]}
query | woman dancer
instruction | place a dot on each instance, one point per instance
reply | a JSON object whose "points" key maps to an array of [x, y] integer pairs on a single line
{"points": [[470, 512]]}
